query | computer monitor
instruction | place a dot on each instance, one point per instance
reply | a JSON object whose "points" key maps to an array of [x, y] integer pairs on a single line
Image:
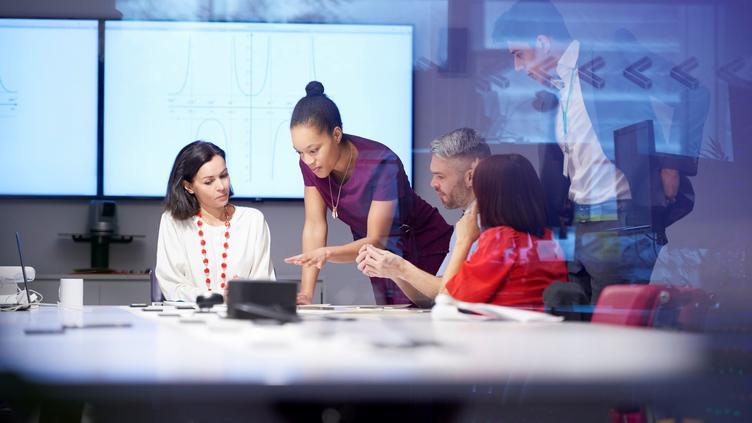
{"points": [[634, 150]]}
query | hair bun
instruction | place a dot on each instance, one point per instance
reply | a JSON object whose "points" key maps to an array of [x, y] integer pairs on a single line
{"points": [[314, 88]]}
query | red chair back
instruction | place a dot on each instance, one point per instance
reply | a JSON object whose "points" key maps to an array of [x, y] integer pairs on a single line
{"points": [[668, 306], [650, 305], [629, 305]]}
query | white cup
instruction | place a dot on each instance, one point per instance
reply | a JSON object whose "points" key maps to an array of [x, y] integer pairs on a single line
{"points": [[71, 293], [70, 316]]}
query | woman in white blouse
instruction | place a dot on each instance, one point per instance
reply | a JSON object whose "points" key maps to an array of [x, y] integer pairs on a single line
{"points": [[204, 241]]}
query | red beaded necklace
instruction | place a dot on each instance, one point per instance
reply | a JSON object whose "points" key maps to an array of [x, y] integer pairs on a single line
{"points": [[226, 245]]}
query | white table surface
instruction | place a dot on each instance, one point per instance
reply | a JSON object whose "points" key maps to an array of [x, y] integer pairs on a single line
{"points": [[372, 349]]}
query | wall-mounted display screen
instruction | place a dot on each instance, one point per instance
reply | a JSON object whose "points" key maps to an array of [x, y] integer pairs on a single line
{"points": [[235, 84], [48, 107]]}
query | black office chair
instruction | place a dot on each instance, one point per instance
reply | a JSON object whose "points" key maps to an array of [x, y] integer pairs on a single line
{"points": [[156, 291], [567, 299]]}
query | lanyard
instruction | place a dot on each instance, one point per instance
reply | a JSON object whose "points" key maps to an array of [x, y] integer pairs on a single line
{"points": [[565, 108]]}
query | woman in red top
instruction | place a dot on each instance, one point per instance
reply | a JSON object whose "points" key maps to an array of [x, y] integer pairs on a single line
{"points": [[517, 257]]}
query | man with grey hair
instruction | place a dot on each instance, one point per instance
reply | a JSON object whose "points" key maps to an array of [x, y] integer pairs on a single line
{"points": [[453, 159]]}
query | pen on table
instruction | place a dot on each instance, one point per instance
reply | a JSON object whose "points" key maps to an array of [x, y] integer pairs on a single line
{"points": [[61, 329]]}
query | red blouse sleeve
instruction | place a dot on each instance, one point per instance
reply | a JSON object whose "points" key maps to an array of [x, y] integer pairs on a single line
{"points": [[481, 277]]}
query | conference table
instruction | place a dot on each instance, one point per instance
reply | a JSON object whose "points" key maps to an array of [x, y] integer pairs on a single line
{"points": [[183, 359]]}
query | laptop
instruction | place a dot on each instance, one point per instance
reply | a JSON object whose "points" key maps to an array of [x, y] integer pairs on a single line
{"points": [[23, 272], [262, 299]]}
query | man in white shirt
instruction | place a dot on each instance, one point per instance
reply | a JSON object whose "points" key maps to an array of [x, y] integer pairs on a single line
{"points": [[578, 173], [453, 158]]}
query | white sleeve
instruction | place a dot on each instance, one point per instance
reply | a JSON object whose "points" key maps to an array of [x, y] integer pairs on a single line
{"points": [[172, 269], [445, 263], [452, 242], [262, 267]]}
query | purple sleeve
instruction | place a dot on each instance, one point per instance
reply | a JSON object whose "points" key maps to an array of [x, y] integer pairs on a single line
{"points": [[387, 178], [307, 174]]}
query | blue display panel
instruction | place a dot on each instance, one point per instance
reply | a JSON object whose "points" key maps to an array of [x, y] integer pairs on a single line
{"points": [[48, 107], [235, 84]]}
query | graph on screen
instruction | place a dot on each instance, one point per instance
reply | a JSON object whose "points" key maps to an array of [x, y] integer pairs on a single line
{"points": [[8, 101], [235, 84], [48, 107]]}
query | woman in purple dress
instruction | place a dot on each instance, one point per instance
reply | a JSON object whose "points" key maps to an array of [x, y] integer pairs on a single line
{"points": [[364, 184]]}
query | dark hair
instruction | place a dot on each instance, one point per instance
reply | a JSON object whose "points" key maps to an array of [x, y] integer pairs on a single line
{"points": [[316, 109], [189, 160], [509, 193], [527, 19]]}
